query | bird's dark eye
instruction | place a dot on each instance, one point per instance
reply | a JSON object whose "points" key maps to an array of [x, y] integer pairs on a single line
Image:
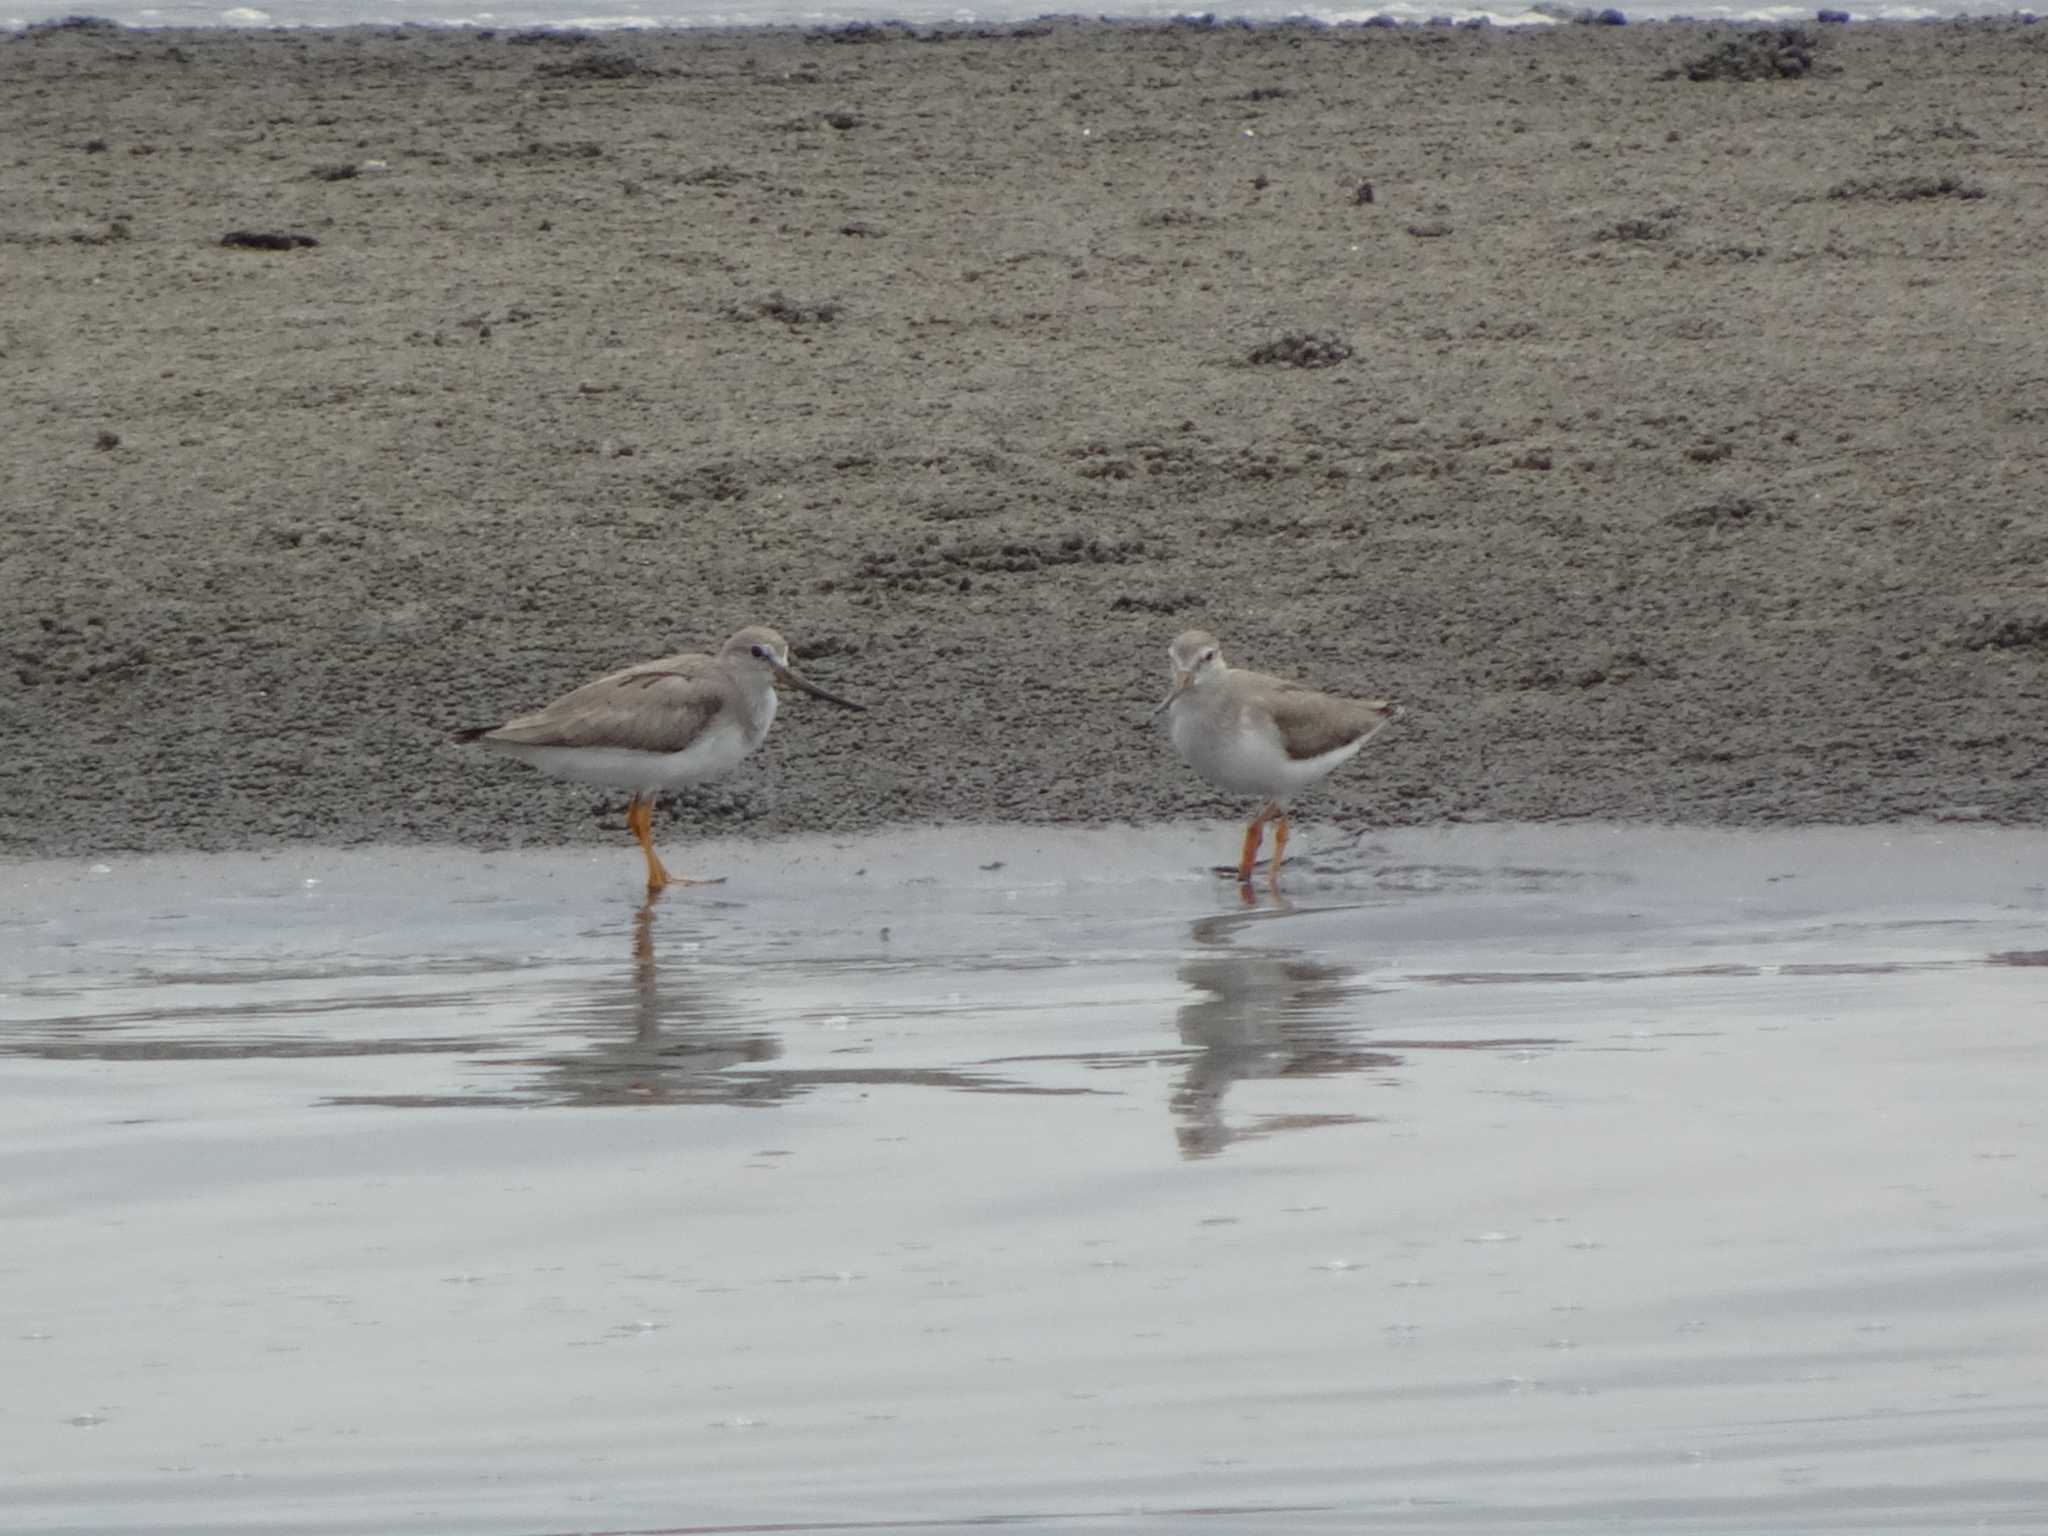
{"points": [[761, 651], [1208, 655]]}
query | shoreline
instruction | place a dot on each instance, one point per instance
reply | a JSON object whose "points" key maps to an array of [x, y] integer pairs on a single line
{"points": [[1681, 464], [1538, 20]]}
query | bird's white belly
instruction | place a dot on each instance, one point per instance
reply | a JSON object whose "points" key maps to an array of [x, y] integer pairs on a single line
{"points": [[713, 753], [1243, 753]]}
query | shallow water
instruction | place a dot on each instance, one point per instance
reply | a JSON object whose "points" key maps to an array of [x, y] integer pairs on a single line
{"points": [[1499, 1179]]}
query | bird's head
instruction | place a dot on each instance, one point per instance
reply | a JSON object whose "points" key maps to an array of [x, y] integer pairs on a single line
{"points": [[761, 650], [1196, 658]]}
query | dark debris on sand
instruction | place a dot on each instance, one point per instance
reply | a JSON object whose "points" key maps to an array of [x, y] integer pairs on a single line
{"points": [[1762, 53], [1300, 349]]}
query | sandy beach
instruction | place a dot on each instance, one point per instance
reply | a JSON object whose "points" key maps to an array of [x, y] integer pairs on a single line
{"points": [[1674, 450]]}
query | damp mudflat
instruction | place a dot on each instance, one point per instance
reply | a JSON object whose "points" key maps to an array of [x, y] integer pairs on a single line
{"points": [[1497, 1180]]}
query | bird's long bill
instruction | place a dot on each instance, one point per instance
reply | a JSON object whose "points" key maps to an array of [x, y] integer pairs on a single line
{"points": [[1180, 681], [796, 680]]}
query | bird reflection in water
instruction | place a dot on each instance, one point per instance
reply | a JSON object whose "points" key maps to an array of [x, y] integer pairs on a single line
{"points": [[657, 1040], [670, 1039], [1264, 1013]]}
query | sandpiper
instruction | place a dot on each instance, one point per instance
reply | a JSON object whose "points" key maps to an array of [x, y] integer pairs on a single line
{"points": [[678, 720], [1259, 735]]}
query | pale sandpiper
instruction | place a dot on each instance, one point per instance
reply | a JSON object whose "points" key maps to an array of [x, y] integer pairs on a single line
{"points": [[677, 720], [1257, 735]]}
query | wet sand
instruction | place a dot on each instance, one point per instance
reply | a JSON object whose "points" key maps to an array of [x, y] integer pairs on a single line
{"points": [[1505, 1180], [1686, 463]]}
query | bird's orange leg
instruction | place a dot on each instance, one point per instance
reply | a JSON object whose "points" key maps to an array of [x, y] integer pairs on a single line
{"points": [[640, 817], [1279, 849], [1253, 836]]}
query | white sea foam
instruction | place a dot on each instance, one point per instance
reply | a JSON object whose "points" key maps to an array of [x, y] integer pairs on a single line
{"points": [[810, 13]]}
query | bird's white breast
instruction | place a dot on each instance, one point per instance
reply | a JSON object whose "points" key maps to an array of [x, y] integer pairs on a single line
{"points": [[1236, 746], [719, 750]]}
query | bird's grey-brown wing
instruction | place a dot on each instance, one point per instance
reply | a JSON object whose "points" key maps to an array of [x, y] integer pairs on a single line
{"points": [[656, 706], [1312, 723]]}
